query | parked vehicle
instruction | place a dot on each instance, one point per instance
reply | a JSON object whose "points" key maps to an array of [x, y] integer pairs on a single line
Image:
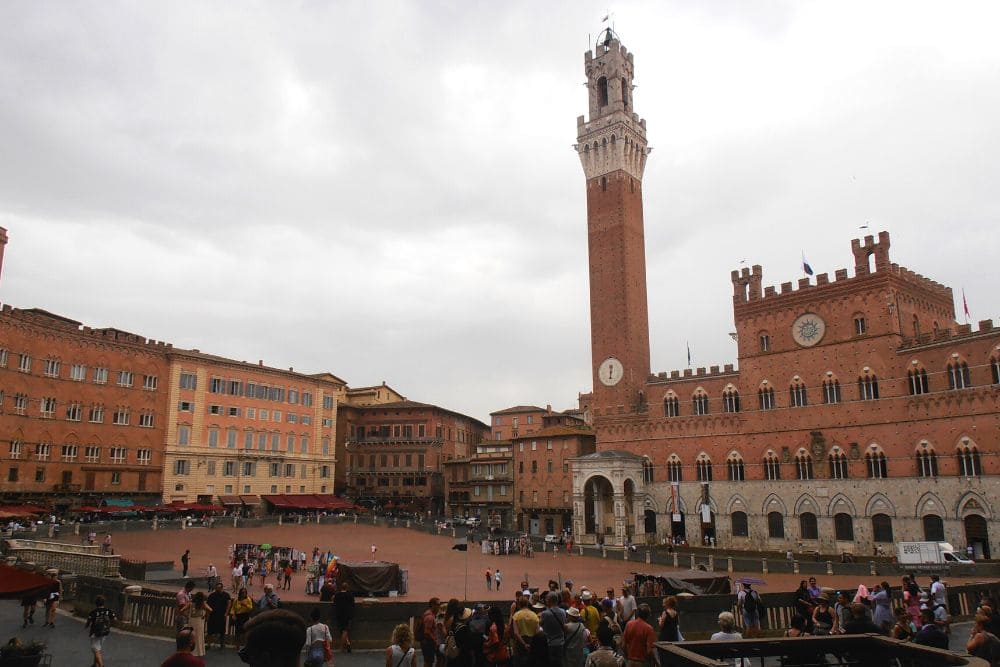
{"points": [[554, 539], [929, 553]]}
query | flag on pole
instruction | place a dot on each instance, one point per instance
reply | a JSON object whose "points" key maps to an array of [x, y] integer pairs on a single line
{"points": [[606, 17], [808, 270], [965, 306], [689, 353]]}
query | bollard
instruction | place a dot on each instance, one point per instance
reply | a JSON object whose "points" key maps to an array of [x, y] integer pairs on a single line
{"points": [[604, 551], [355, 519], [408, 525], [184, 524], [76, 529], [648, 557], [130, 614], [829, 568], [625, 553], [453, 533], [692, 561], [729, 564], [580, 547], [711, 562], [871, 568], [280, 517], [52, 530], [675, 560], [763, 565], [236, 522], [795, 566]]}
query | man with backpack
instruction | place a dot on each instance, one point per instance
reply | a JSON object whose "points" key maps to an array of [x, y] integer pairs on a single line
{"points": [[752, 608], [99, 625]]}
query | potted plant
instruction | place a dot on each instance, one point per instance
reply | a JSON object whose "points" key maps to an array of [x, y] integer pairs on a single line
{"points": [[15, 653]]}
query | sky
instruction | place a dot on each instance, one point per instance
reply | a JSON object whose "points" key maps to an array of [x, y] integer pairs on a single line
{"points": [[388, 190]]}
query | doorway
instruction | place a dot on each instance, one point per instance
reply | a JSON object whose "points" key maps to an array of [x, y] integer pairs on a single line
{"points": [[977, 534]]}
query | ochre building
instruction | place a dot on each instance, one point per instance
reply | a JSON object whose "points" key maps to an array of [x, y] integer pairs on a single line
{"points": [[860, 412], [238, 430]]}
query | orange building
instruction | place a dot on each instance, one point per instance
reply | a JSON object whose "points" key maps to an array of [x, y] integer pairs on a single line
{"points": [[481, 485], [396, 452], [352, 398], [83, 411], [238, 430], [860, 413]]}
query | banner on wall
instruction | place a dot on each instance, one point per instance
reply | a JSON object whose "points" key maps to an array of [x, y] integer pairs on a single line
{"points": [[675, 494]]}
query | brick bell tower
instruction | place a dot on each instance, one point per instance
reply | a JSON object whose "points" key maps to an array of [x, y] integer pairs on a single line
{"points": [[613, 150]]}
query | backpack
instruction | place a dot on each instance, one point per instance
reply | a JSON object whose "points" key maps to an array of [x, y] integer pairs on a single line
{"points": [[100, 626], [752, 602]]}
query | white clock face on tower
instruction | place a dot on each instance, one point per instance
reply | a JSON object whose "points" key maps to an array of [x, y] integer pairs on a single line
{"points": [[610, 372], [808, 329]]}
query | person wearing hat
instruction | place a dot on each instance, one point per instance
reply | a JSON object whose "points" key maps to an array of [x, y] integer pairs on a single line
{"points": [[825, 621], [577, 637], [462, 638]]}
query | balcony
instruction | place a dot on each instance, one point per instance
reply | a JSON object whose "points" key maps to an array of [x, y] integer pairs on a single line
{"points": [[391, 440]]}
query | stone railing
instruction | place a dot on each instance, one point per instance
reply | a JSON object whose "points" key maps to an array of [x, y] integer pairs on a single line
{"points": [[75, 558]]}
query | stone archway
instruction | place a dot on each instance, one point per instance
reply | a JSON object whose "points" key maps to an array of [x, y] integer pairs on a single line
{"points": [[599, 507], [977, 534]]}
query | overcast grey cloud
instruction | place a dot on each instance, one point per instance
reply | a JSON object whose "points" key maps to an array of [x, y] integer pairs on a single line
{"points": [[387, 190]]}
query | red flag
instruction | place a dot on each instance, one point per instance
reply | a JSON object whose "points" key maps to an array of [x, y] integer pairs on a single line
{"points": [[965, 305]]}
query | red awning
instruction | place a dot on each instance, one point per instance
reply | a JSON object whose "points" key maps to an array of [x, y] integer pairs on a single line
{"points": [[23, 510], [15, 583]]}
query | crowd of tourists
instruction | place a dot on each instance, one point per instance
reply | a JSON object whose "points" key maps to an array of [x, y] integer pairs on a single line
{"points": [[556, 626]]}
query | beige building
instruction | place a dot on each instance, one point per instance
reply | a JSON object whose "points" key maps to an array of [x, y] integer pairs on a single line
{"points": [[236, 431]]}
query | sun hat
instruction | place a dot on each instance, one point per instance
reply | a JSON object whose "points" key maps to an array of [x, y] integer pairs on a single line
{"points": [[574, 612], [586, 595], [466, 614]]}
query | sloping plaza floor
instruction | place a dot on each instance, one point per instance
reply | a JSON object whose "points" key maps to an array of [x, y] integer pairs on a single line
{"points": [[434, 568]]}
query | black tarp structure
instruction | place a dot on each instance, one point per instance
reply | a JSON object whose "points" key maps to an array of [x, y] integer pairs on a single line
{"points": [[16, 584], [369, 576], [672, 583]]}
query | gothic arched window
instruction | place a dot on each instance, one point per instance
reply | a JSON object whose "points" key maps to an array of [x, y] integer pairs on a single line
{"points": [[918, 381], [675, 472], [838, 465], [868, 387], [735, 470], [958, 375], [968, 461], [602, 92], [831, 391], [772, 467], [731, 400], [704, 468], [647, 471], [700, 401], [765, 398], [803, 466], [927, 465], [797, 396], [876, 464]]}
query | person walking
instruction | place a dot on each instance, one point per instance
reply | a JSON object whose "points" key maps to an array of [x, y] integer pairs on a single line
{"points": [[212, 574], [669, 625], [495, 644], [52, 602], [237, 575], [400, 652], [489, 579], [218, 601], [28, 604], [99, 626], [185, 562], [638, 638], [884, 618], [286, 584], [343, 609], [749, 604], [182, 609], [498, 579], [319, 641]]}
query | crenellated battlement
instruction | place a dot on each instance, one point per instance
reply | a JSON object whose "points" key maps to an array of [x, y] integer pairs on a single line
{"points": [[747, 282], [961, 332], [49, 320], [729, 370]]}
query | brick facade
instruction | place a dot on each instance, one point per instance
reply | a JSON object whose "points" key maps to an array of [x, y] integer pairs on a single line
{"points": [[860, 413], [543, 476], [395, 452], [482, 485], [82, 411]]}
